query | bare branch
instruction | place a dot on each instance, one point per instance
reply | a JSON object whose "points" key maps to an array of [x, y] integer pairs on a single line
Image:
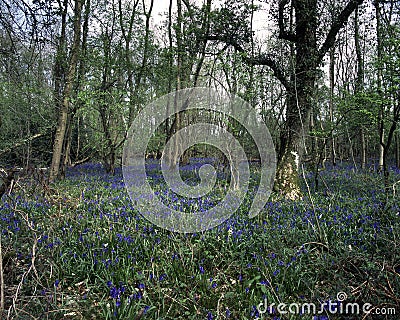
{"points": [[24, 141], [269, 61], [336, 26], [283, 33], [260, 60]]}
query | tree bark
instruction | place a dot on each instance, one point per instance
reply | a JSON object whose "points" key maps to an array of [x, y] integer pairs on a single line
{"points": [[127, 35], [67, 161], [397, 150], [381, 125], [65, 106], [300, 93], [173, 157], [331, 103], [363, 148], [300, 84], [360, 85]]}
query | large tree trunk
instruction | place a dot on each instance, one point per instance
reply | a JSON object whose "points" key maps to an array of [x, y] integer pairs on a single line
{"points": [[300, 92], [292, 141], [67, 161], [64, 108], [299, 100], [300, 84]]}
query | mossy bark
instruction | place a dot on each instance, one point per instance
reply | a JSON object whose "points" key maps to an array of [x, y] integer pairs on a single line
{"points": [[287, 181]]}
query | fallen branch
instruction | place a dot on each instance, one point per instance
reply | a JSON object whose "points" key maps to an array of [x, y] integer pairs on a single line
{"points": [[24, 141], [78, 162]]}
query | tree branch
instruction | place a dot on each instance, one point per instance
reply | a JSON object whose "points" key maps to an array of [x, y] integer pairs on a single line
{"points": [[24, 141], [269, 61], [284, 34], [336, 26], [260, 60]]}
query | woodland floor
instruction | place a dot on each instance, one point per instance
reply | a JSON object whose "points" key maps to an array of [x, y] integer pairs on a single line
{"points": [[80, 250]]}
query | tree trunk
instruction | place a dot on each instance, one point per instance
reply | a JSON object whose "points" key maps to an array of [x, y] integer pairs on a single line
{"points": [[363, 149], [64, 108], [108, 150], [300, 93], [109, 154], [79, 83], [381, 125], [397, 150], [360, 85], [66, 158], [300, 84], [331, 95], [59, 75], [299, 100], [173, 157], [292, 143], [127, 35], [314, 140]]}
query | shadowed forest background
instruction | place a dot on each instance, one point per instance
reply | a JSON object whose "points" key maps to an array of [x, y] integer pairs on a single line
{"points": [[323, 75]]}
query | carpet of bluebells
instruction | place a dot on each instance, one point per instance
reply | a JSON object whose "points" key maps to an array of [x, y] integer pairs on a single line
{"points": [[79, 249]]}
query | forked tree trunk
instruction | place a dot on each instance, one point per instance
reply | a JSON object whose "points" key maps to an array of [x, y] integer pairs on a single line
{"points": [[185, 65], [65, 105], [79, 83]]}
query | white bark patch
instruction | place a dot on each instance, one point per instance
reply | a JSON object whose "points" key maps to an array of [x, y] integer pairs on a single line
{"points": [[296, 159]]}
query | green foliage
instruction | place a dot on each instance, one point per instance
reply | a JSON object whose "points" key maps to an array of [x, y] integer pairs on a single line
{"points": [[25, 109], [231, 21]]}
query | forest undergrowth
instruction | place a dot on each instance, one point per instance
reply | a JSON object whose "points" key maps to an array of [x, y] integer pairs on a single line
{"points": [[79, 249]]}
